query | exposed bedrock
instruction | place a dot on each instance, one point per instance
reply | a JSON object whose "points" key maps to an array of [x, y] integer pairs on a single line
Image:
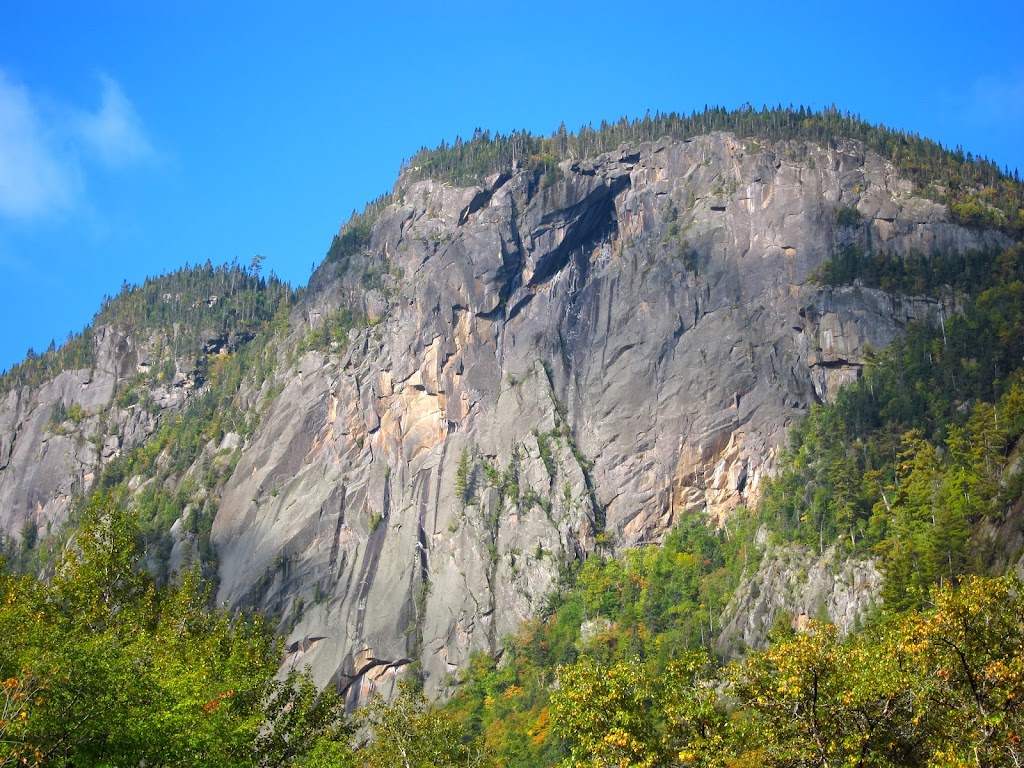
{"points": [[606, 353]]}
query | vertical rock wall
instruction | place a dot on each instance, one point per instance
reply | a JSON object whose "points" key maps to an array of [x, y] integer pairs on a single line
{"points": [[549, 365]]}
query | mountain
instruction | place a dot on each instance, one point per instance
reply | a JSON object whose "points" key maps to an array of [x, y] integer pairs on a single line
{"points": [[531, 351]]}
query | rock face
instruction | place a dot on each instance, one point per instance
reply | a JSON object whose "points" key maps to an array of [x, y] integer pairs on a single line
{"points": [[550, 366], [597, 356], [56, 439], [45, 462], [793, 586]]}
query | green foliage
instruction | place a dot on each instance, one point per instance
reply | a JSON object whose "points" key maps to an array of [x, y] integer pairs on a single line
{"points": [[935, 275], [506, 706], [912, 500], [186, 440], [848, 216], [627, 714], [546, 455], [906, 463], [354, 237], [937, 687], [333, 331], [299, 721], [76, 352], [29, 535], [653, 602], [58, 415], [375, 520], [201, 300], [105, 668], [815, 700], [465, 481], [651, 607], [408, 732], [62, 413]]}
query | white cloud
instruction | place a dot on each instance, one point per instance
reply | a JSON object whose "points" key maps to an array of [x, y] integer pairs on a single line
{"points": [[46, 149], [115, 133], [34, 179]]}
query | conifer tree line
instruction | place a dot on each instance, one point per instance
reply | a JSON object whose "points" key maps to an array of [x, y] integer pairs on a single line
{"points": [[228, 298], [978, 193], [184, 305]]}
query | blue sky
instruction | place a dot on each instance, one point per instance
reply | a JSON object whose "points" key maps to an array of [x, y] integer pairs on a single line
{"points": [[138, 136]]}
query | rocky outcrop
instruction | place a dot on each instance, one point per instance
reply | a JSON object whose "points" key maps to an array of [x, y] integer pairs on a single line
{"points": [[46, 459], [793, 586], [839, 327], [56, 439], [550, 363]]}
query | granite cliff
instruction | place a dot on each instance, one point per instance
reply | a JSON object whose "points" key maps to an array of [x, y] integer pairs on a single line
{"points": [[550, 364]]}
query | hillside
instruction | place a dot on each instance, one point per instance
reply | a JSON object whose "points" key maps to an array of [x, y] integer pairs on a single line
{"points": [[537, 354]]}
